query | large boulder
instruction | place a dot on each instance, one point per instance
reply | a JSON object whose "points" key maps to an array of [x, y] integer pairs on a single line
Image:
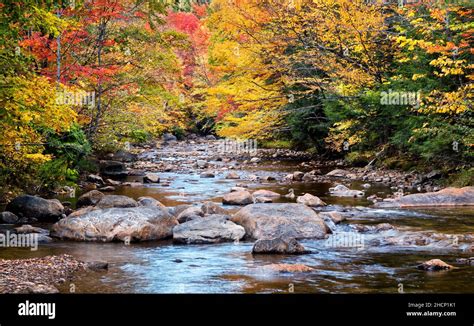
{"points": [[151, 178], [38, 208], [167, 137], [210, 207], [150, 202], [117, 224], [116, 201], [343, 191], [90, 198], [268, 221], [113, 169], [124, 156], [232, 175], [190, 214], [434, 265], [338, 173], [95, 179], [280, 246], [238, 198], [266, 194], [310, 200], [446, 197], [210, 229]]}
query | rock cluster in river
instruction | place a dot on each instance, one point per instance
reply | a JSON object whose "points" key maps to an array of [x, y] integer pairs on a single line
{"points": [[117, 224], [446, 197], [276, 228], [288, 268], [209, 229], [434, 265], [343, 191], [282, 246], [242, 197], [206, 156], [310, 200], [32, 209], [267, 221]]}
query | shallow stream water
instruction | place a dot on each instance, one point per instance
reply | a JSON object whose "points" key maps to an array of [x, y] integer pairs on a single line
{"points": [[375, 267]]}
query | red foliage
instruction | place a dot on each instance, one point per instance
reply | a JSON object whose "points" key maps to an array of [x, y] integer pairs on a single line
{"points": [[97, 10], [190, 24], [183, 22], [40, 46], [200, 10]]}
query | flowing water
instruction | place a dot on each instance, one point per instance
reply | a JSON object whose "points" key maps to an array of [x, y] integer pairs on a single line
{"points": [[377, 266]]}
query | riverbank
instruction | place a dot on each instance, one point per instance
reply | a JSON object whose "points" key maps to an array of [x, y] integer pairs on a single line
{"points": [[186, 206], [209, 158]]}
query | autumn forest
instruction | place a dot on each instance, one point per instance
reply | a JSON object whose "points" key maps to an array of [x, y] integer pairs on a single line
{"points": [[237, 147], [368, 81]]}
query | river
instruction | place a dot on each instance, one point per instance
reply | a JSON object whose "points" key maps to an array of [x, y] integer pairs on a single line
{"points": [[379, 265]]}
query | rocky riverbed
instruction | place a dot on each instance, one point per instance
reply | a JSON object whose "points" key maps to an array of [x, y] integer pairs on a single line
{"points": [[37, 275], [235, 222]]}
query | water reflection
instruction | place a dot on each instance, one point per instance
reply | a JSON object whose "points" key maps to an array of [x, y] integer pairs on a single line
{"points": [[161, 267]]}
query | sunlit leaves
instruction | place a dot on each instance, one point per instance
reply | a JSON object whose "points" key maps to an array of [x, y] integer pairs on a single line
{"points": [[30, 108]]}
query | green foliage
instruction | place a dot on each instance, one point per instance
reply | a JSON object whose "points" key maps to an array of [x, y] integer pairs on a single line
{"points": [[358, 158], [87, 165], [307, 122], [178, 132], [71, 146], [55, 173], [399, 161], [276, 144], [69, 151], [463, 178], [422, 63], [139, 136]]}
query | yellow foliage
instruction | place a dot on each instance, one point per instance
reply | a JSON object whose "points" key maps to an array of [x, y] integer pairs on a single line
{"points": [[251, 67], [30, 108]]}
